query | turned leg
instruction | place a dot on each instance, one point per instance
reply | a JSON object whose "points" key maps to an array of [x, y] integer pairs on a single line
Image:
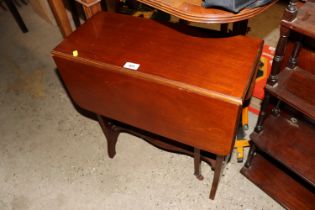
{"points": [[293, 59], [111, 133], [279, 54], [197, 162], [217, 174], [263, 112]]}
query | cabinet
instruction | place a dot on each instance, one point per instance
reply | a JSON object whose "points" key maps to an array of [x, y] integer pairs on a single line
{"points": [[282, 155]]}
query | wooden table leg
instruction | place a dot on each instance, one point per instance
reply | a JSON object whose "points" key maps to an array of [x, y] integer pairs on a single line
{"points": [[61, 17], [197, 162], [112, 131], [90, 7], [111, 134], [240, 27], [217, 175], [224, 28], [111, 5], [74, 13]]}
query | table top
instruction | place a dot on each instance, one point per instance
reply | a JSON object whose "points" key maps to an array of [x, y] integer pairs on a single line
{"points": [[218, 67], [188, 88], [192, 11]]}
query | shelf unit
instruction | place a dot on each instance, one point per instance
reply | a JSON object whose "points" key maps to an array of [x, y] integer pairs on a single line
{"points": [[282, 155], [294, 145], [279, 184], [295, 87]]}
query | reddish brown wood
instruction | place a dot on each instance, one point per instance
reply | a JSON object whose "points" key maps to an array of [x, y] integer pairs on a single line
{"points": [[61, 17], [263, 112], [294, 148], [90, 7], [292, 63], [282, 187], [290, 12], [112, 129], [189, 89], [286, 172], [219, 164], [197, 161], [185, 86], [297, 88], [306, 56], [193, 11], [111, 133], [279, 55], [304, 21], [281, 59], [299, 18]]}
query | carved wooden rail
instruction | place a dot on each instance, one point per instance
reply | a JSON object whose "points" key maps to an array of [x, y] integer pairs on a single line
{"points": [[191, 11]]}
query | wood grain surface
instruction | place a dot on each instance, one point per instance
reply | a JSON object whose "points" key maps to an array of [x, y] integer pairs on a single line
{"points": [[188, 88], [193, 11]]}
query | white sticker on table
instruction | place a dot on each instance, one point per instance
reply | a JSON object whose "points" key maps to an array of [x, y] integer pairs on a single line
{"points": [[132, 66]]}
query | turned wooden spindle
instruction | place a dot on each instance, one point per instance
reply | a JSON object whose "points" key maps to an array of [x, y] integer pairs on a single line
{"points": [[294, 56], [290, 14]]}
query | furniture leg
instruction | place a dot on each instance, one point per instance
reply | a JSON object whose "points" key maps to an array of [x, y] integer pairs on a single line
{"points": [[240, 27], [90, 7], [293, 59], [16, 15], [279, 54], [111, 134], [197, 162], [217, 175], [111, 5], [61, 17], [262, 115], [224, 28], [74, 13], [290, 12]]}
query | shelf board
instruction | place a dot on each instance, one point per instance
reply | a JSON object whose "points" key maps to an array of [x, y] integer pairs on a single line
{"points": [[292, 144], [283, 188], [297, 88], [305, 20]]}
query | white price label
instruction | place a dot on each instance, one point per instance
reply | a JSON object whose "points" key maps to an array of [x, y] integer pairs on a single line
{"points": [[132, 66]]}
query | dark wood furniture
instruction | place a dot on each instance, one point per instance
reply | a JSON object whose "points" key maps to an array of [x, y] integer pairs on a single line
{"points": [[192, 11], [186, 96], [90, 8], [282, 157]]}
